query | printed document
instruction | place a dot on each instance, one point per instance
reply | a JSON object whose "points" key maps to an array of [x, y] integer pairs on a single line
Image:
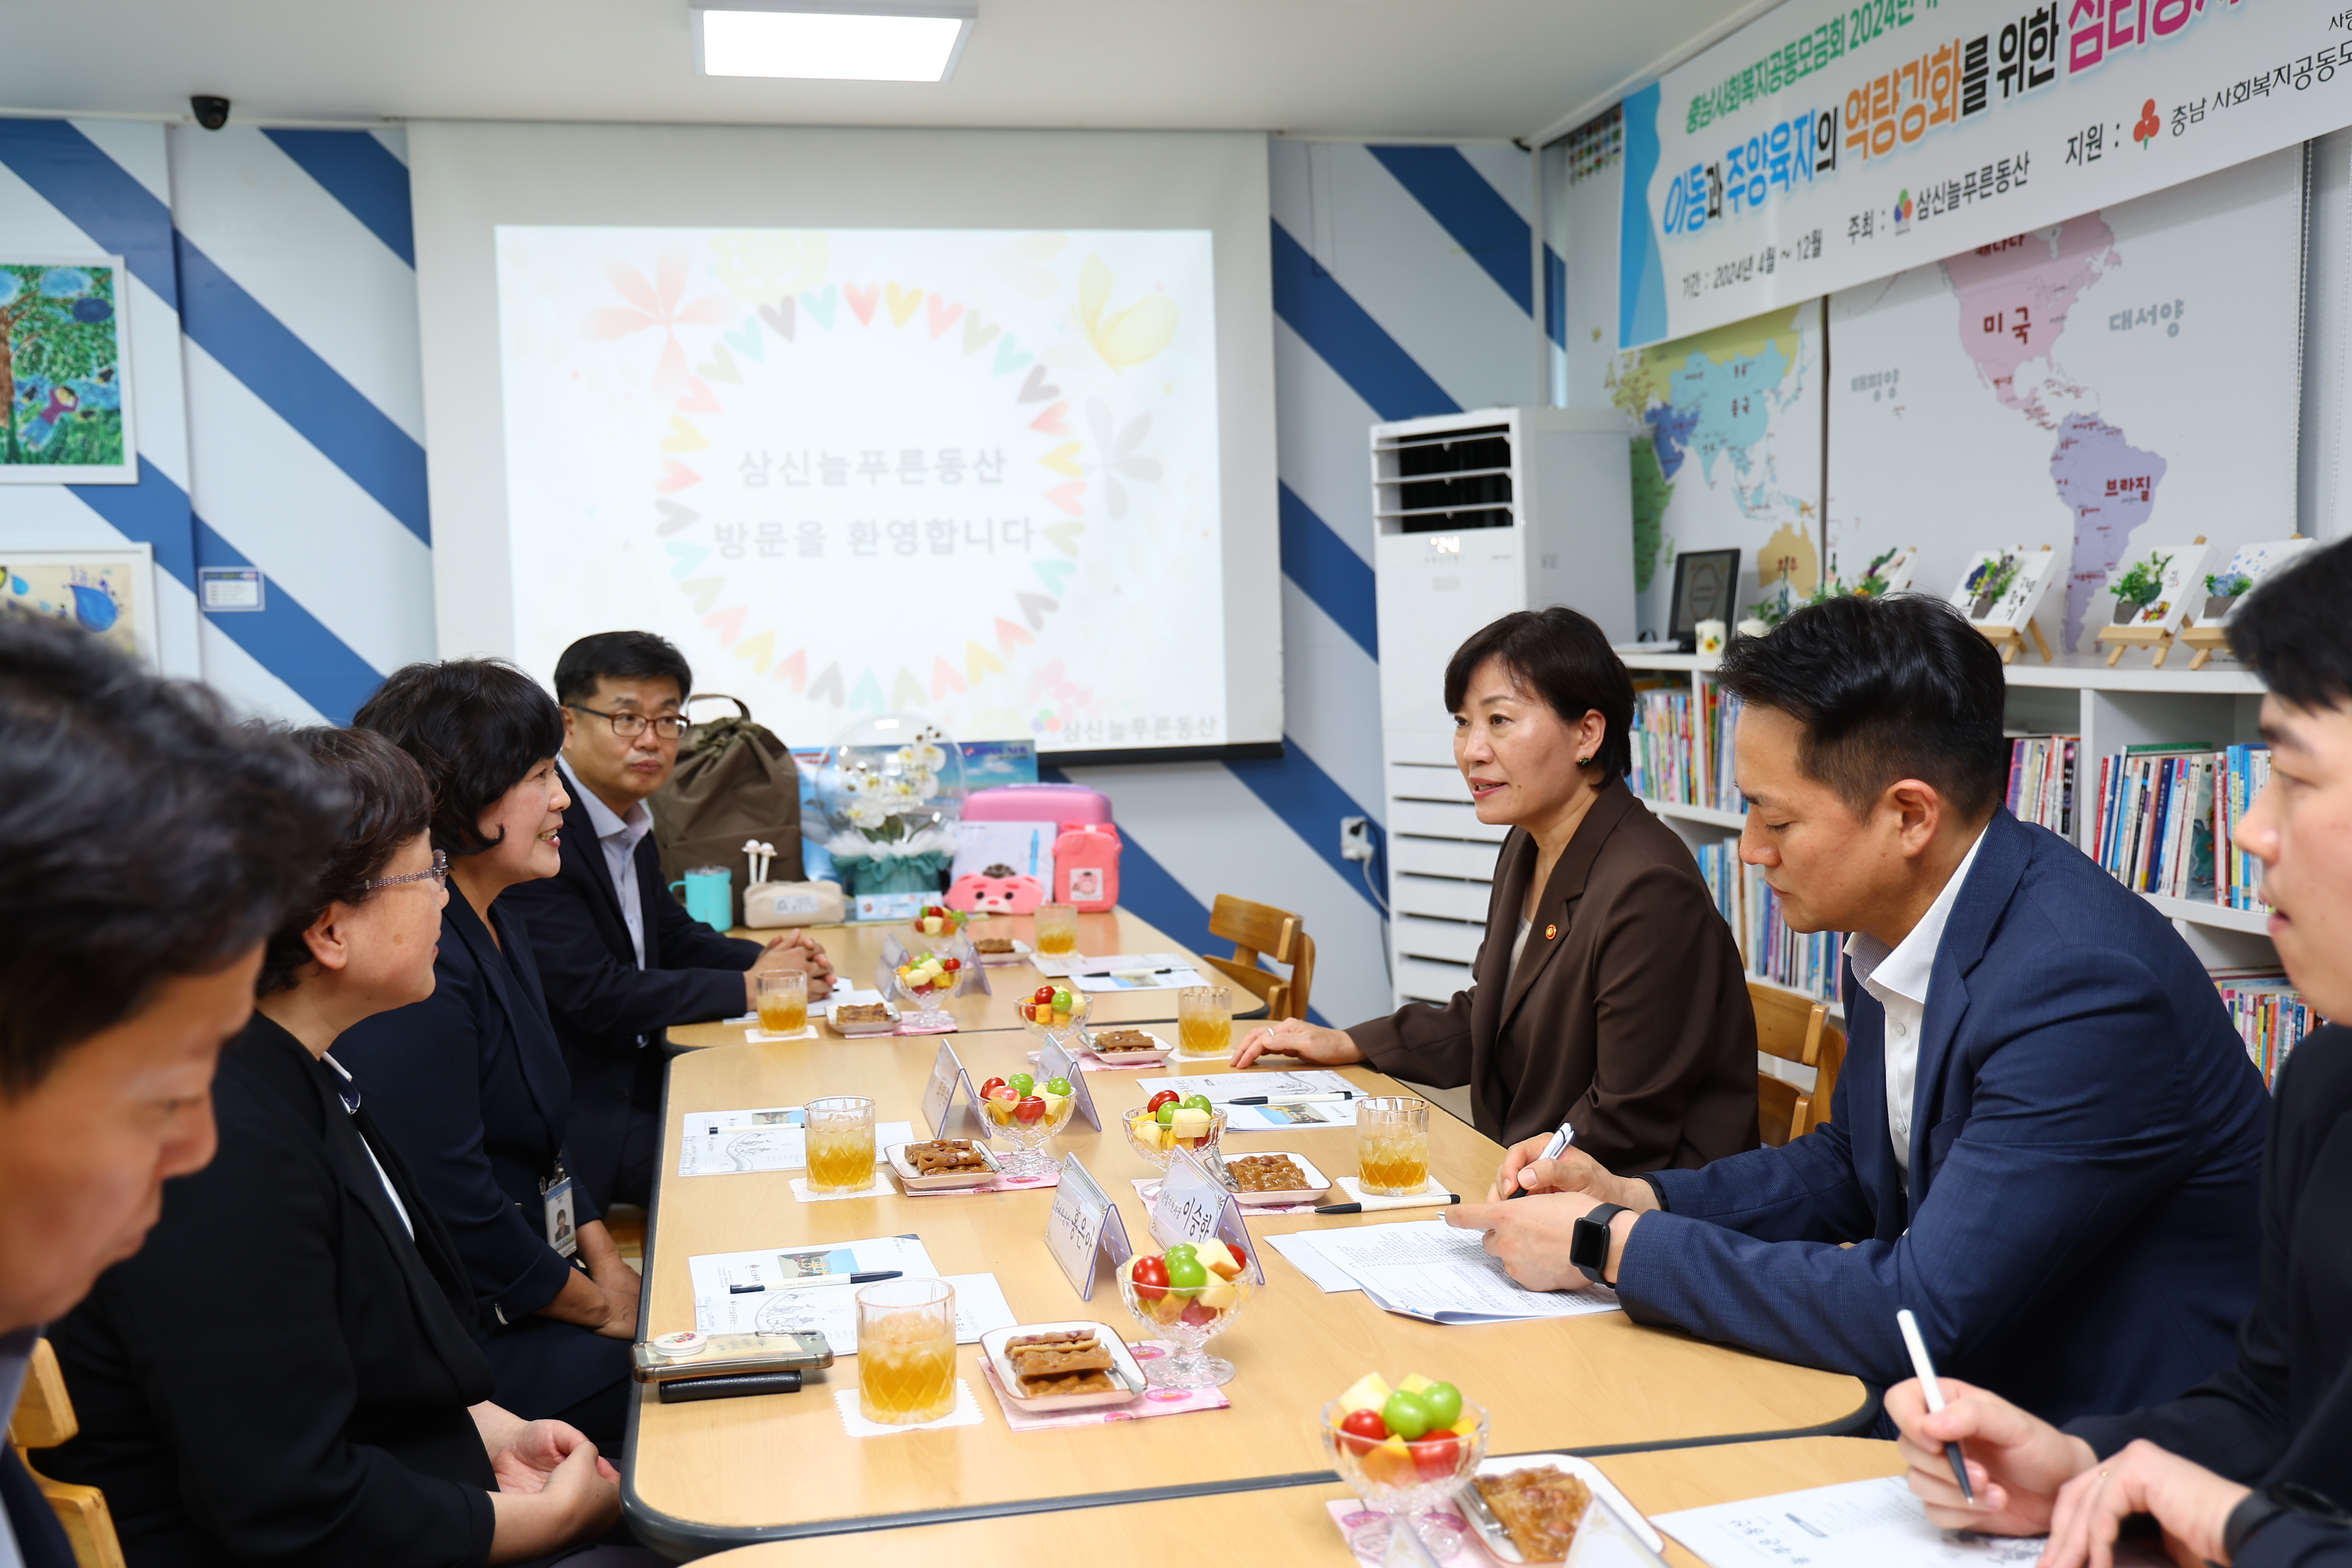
{"points": [[1430, 1270], [770, 1138], [1859, 1524], [806, 1289]]}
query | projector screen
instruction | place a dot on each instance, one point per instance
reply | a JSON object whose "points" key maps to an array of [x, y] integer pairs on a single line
{"points": [[1014, 476]]}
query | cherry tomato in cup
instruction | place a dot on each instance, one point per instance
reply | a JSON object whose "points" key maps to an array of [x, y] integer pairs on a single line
{"points": [[1200, 1316], [1435, 1457], [1165, 1097], [1043, 994], [950, 965], [1241, 1258], [1150, 1278], [1362, 1431], [1030, 1109], [991, 1083]]}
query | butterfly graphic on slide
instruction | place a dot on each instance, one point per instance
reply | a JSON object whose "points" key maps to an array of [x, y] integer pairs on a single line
{"points": [[1119, 458], [1124, 338]]}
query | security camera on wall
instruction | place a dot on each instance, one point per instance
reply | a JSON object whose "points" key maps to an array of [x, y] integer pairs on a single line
{"points": [[212, 114]]}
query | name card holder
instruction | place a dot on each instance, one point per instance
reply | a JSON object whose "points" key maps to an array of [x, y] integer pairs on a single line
{"points": [[1083, 1227], [1193, 1206], [1054, 1062], [949, 1081]]}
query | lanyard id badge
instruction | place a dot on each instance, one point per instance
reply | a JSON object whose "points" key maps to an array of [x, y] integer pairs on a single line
{"points": [[555, 1198]]}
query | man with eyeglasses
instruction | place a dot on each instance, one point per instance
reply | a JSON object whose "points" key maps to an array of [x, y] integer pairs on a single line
{"points": [[622, 961]]}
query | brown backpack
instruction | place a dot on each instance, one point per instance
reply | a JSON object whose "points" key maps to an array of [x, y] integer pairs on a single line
{"points": [[735, 781]]}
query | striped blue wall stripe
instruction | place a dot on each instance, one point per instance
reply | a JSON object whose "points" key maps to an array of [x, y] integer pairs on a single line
{"points": [[1485, 225], [1311, 801], [1338, 580], [285, 638], [1555, 296], [303, 390], [153, 512], [97, 194], [360, 172], [1312, 305]]}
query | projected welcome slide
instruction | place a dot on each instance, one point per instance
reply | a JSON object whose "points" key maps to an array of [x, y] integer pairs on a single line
{"points": [[971, 474]]}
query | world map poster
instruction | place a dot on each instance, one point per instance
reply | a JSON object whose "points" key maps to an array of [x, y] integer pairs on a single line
{"points": [[2123, 378], [1726, 454]]}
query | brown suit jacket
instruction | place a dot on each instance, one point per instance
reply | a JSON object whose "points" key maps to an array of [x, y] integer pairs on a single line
{"points": [[1628, 1015]]}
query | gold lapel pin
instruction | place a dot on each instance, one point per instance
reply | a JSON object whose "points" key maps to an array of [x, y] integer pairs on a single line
{"points": [[1550, 932]]}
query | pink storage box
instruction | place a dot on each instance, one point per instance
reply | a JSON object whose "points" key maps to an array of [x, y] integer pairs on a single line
{"points": [[1061, 804]]}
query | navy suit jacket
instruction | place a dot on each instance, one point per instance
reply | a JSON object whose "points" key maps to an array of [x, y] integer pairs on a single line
{"points": [[2082, 1231], [602, 1003]]}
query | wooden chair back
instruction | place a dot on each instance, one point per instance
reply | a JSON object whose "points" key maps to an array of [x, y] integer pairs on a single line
{"points": [[1256, 930], [43, 1419], [1795, 1029]]}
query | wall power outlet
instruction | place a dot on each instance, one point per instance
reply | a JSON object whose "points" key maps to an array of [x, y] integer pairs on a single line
{"points": [[1355, 838]]}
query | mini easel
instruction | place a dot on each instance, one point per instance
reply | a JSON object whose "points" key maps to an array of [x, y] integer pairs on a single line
{"points": [[2011, 642], [2118, 639], [2207, 640]]}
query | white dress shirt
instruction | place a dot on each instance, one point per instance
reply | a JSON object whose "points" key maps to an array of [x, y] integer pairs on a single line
{"points": [[1898, 978], [619, 837]]}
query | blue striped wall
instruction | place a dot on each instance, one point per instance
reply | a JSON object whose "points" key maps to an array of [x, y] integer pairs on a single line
{"points": [[280, 424]]}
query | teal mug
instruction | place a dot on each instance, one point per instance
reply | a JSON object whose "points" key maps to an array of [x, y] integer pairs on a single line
{"points": [[710, 894]]}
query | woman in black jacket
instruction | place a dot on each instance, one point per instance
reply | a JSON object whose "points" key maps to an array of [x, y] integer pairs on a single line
{"points": [[288, 1371], [470, 1082]]}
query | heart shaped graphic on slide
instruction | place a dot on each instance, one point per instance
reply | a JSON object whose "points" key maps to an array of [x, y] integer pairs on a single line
{"points": [[942, 314], [975, 336], [779, 316], [1050, 422], [1066, 496], [862, 301], [721, 366], [1007, 358], [1036, 388], [676, 476], [820, 305], [674, 517], [748, 339], [902, 303], [685, 437], [1061, 459], [699, 399]]}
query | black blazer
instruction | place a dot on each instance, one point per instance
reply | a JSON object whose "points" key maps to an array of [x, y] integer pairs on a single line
{"points": [[281, 1374], [2282, 1410], [471, 1085], [601, 1002]]}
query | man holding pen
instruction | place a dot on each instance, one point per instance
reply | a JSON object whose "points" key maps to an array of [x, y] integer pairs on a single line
{"points": [[2254, 1465], [2046, 1138]]}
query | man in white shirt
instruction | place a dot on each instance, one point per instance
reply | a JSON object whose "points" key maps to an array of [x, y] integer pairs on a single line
{"points": [[621, 959], [2046, 1139]]}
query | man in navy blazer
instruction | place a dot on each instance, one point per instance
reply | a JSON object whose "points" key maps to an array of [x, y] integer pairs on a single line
{"points": [[620, 958], [2046, 1141]]}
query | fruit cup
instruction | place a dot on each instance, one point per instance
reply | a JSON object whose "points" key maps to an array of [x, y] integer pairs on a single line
{"points": [[1053, 1011], [1195, 1127], [1188, 1303], [927, 980], [1398, 1480], [1026, 1114], [937, 922]]}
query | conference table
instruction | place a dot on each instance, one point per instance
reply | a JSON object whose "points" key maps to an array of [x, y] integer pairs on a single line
{"points": [[702, 1477], [1295, 1524]]}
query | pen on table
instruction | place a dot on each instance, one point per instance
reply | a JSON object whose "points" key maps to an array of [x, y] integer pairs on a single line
{"points": [[1934, 1392], [1293, 1098], [815, 1280], [1553, 1150], [1358, 1209]]}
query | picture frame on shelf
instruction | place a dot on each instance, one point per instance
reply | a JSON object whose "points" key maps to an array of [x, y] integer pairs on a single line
{"points": [[2206, 628], [1707, 582], [2000, 591], [1889, 573], [2149, 592]]}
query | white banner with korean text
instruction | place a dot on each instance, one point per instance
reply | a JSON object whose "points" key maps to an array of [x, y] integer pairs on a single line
{"points": [[1829, 145]]}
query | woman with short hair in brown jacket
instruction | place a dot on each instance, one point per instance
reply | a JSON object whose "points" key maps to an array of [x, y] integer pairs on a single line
{"points": [[1607, 992]]}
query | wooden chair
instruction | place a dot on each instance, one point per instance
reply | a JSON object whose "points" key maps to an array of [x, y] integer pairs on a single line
{"points": [[1796, 1030], [44, 1419], [1261, 929]]}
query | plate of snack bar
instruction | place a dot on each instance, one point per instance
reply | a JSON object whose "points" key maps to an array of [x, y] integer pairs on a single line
{"points": [[995, 950], [1526, 1508], [942, 1165], [1275, 1178], [1128, 1047], [874, 1018], [1063, 1366]]}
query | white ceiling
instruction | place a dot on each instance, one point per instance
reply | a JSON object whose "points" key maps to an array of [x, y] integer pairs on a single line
{"points": [[1461, 69]]}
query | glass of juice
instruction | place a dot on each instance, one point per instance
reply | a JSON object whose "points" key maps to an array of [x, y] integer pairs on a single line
{"points": [[1392, 1145], [783, 1001], [906, 1350], [1058, 929], [840, 1133], [1204, 1021]]}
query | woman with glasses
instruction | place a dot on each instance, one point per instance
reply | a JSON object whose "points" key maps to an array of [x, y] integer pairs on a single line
{"points": [[471, 1082], [287, 1371]]}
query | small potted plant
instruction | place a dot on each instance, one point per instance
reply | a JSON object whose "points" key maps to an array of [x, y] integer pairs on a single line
{"points": [[1988, 583], [1873, 586], [2221, 591], [2140, 585]]}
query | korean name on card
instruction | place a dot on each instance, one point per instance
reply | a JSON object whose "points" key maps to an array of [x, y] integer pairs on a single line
{"points": [[1193, 1206], [1054, 1062], [1083, 1224], [949, 1081]]}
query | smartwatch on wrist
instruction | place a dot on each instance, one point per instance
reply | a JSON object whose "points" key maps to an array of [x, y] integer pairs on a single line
{"points": [[2263, 1504], [1589, 1248]]}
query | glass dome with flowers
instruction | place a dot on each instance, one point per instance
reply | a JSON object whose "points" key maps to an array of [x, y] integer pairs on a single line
{"points": [[892, 790]]}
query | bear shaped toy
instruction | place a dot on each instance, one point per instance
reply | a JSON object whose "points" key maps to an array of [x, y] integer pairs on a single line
{"points": [[997, 890]]}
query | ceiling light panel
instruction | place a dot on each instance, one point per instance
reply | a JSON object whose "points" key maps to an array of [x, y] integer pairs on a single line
{"points": [[844, 40]]}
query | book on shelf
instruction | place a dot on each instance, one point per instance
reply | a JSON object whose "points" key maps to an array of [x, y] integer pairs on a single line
{"points": [[2163, 820], [2041, 781], [1682, 744], [1811, 964], [2269, 1015]]}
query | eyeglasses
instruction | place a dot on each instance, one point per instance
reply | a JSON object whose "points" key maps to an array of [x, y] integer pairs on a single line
{"points": [[629, 726], [439, 874]]}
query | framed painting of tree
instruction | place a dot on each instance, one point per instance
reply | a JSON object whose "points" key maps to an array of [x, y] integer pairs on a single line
{"points": [[65, 373]]}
